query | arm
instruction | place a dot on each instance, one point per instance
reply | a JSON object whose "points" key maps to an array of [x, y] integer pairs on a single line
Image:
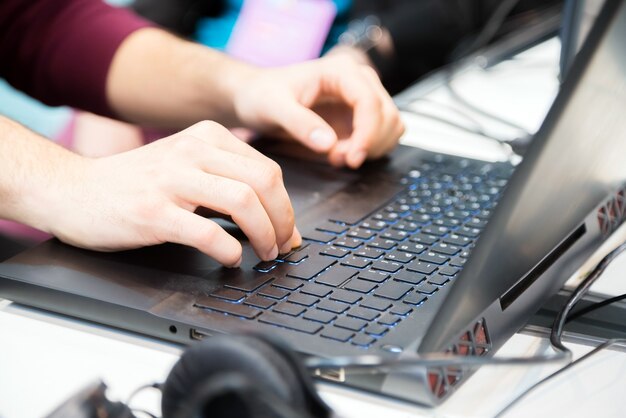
{"points": [[157, 78]]}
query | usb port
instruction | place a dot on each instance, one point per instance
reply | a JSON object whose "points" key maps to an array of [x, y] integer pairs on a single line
{"points": [[194, 334], [333, 375]]}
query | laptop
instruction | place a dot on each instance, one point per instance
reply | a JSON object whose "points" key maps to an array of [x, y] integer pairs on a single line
{"points": [[419, 252]]}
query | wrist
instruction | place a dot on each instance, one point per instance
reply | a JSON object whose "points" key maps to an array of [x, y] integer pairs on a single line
{"points": [[219, 80]]}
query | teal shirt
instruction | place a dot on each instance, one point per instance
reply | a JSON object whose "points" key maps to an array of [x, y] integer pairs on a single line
{"points": [[215, 32]]}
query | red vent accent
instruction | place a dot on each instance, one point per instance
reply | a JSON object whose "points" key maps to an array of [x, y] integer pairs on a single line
{"points": [[603, 221], [473, 342], [620, 200]]}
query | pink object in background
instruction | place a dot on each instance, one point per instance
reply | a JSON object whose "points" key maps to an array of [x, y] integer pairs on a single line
{"points": [[281, 32]]}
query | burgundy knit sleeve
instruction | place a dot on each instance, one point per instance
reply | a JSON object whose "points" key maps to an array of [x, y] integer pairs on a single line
{"points": [[60, 51]]}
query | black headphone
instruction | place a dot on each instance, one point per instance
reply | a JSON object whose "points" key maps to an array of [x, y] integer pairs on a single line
{"points": [[250, 375]]}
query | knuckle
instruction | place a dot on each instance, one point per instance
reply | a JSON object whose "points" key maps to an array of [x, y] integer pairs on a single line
{"points": [[187, 145], [243, 196], [271, 175]]}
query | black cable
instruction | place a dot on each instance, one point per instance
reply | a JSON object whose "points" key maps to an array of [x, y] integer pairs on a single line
{"points": [[593, 307], [154, 385], [556, 335]]}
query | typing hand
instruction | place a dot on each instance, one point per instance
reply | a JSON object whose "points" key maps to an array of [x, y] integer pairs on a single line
{"points": [[148, 196], [332, 105]]}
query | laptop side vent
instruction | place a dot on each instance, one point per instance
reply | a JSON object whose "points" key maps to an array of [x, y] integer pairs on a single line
{"points": [[474, 342], [612, 213]]}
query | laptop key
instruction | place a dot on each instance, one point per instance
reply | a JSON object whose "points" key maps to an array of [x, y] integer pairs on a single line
{"points": [[383, 244], [424, 239], [385, 265], [458, 240], [350, 243], [360, 233], [248, 283], [337, 334], [394, 235], [335, 252], [356, 262], [363, 313], [221, 306], [287, 283], [333, 306], [228, 294], [343, 295], [310, 267], [400, 256], [316, 290], [388, 319], [393, 290], [434, 258], [421, 267], [438, 279], [361, 286], [302, 299], [289, 309], [458, 262], [335, 275], [427, 288], [363, 340], [369, 252], [376, 329], [373, 224], [286, 321], [409, 277], [273, 292], [265, 266], [333, 227], [414, 298], [446, 249], [319, 316], [448, 271], [352, 324], [467, 231], [410, 247], [376, 303], [296, 255], [401, 310], [319, 236], [436, 230], [373, 276], [259, 301]]}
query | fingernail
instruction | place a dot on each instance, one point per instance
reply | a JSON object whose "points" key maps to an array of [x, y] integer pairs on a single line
{"points": [[274, 253], [357, 158], [322, 138]]}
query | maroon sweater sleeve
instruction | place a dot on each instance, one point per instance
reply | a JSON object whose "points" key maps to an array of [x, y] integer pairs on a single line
{"points": [[60, 51]]}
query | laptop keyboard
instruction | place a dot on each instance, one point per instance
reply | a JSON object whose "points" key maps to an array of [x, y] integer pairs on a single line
{"points": [[354, 283]]}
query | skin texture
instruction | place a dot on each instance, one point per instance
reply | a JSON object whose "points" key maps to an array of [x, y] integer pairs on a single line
{"points": [[150, 195]]}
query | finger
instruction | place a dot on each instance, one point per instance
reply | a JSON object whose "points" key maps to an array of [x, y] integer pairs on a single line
{"points": [[357, 91], [238, 200], [303, 124], [265, 178], [187, 228], [294, 242]]}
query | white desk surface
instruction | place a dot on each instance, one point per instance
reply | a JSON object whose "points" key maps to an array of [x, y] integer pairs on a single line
{"points": [[45, 358]]}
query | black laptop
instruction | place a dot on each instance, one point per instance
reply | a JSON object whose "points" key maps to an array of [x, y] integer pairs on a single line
{"points": [[419, 252]]}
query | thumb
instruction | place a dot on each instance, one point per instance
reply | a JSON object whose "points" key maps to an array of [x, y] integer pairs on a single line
{"points": [[305, 125]]}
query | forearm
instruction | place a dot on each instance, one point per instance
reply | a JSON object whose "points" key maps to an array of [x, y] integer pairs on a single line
{"points": [[34, 170], [161, 80]]}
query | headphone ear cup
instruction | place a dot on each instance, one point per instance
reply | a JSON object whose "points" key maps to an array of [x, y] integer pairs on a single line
{"points": [[248, 357]]}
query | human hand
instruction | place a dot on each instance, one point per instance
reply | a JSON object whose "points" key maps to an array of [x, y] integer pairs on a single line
{"points": [[333, 105], [148, 196]]}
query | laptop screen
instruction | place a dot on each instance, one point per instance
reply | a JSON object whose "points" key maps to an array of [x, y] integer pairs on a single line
{"points": [[576, 159]]}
